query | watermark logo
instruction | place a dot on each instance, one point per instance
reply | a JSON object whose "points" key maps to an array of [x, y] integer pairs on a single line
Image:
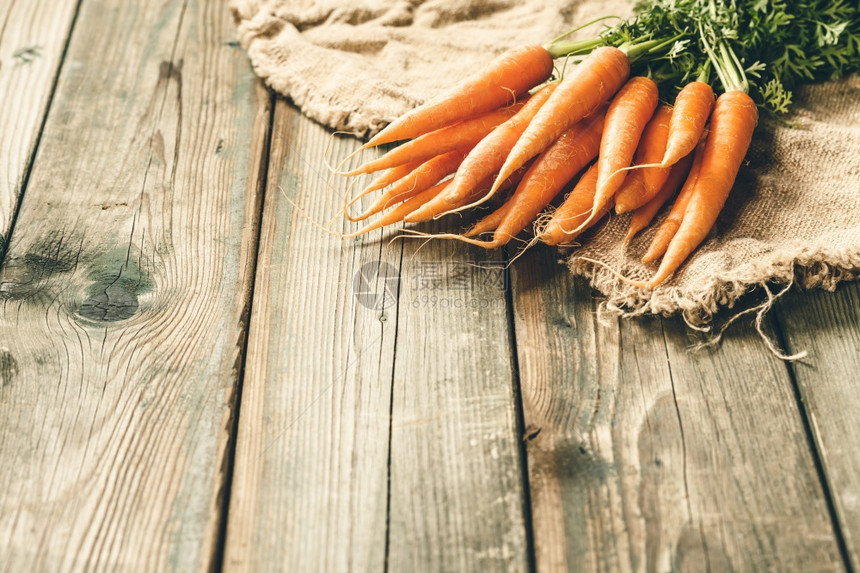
{"points": [[375, 285], [437, 284]]}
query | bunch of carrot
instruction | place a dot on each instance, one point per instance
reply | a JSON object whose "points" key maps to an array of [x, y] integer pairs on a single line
{"points": [[513, 131]]}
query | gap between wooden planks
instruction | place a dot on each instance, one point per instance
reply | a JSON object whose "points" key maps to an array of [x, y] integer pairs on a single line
{"points": [[125, 293]]}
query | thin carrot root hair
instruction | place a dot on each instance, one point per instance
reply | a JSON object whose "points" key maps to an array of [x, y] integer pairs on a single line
{"points": [[582, 226], [389, 201], [405, 193], [347, 203], [334, 193], [335, 169], [486, 197], [363, 231], [331, 139], [479, 229], [388, 178], [528, 245], [378, 207], [494, 244], [489, 223], [329, 183], [485, 187], [542, 219], [540, 227], [298, 208], [570, 217], [471, 205], [588, 223], [635, 167], [413, 233]]}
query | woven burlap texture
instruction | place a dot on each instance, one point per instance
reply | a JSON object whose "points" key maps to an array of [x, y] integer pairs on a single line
{"points": [[794, 213]]}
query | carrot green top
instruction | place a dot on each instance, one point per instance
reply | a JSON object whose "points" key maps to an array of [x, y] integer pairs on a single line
{"points": [[775, 43]]}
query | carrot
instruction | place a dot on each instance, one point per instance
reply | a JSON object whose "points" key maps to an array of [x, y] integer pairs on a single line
{"points": [[509, 75], [457, 136], [490, 222], [476, 192], [732, 124], [629, 112], [573, 211], [693, 105], [590, 84], [485, 159], [642, 216], [626, 118], [421, 178], [386, 179], [397, 214], [550, 172], [670, 224], [641, 185]]}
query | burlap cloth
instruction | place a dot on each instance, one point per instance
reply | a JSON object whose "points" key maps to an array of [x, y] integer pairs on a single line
{"points": [[793, 216]]}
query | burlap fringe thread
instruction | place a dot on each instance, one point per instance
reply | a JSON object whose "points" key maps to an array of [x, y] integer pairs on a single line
{"points": [[699, 309]]}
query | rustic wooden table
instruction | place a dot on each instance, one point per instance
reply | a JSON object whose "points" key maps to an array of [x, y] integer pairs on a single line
{"points": [[192, 377]]}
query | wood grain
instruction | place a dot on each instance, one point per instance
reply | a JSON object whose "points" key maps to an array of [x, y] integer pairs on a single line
{"points": [[310, 483], [457, 493], [645, 455], [124, 294], [32, 37], [827, 327], [316, 436]]}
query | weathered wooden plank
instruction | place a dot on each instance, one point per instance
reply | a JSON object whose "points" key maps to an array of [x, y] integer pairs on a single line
{"points": [[32, 37], [310, 481], [645, 455], [124, 294], [457, 493], [827, 326]]}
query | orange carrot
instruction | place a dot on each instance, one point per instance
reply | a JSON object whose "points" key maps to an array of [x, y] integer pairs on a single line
{"points": [[489, 222], [626, 118], [669, 226], [732, 124], [423, 177], [457, 136], [479, 189], [492, 220], [692, 107], [583, 90], [386, 179], [511, 74], [642, 216], [396, 215], [550, 172], [485, 159], [575, 209], [641, 185]]}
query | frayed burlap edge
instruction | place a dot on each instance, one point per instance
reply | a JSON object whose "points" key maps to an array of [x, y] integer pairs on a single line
{"points": [[699, 305]]}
